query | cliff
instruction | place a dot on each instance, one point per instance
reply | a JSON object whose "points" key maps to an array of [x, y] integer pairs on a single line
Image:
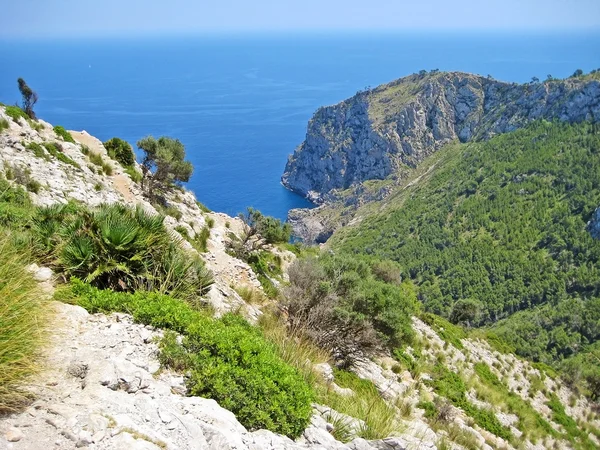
{"points": [[378, 132]]}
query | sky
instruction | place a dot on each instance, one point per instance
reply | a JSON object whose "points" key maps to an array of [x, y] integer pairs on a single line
{"points": [[69, 18]]}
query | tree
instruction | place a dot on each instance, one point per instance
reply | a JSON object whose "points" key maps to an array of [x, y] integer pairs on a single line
{"points": [[535, 80], [577, 73], [164, 163], [466, 311], [29, 96]]}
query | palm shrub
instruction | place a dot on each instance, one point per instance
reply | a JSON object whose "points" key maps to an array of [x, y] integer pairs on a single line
{"points": [[118, 247]]}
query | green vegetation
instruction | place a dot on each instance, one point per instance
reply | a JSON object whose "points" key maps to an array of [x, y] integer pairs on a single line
{"points": [[202, 207], [55, 149], [270, 229], [344, 308], [164, 163], [228, 359], [573, 432], [64, 134], [450, 333], [121, 248], [134, 174], [450, 385], [15, 113], [367, 404], [493, 391], [23, 320], [4, 125], [120, 151], [38, 150], [503, 223]]}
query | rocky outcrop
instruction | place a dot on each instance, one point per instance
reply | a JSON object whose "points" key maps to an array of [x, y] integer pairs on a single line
{"points": [[378, 132]]}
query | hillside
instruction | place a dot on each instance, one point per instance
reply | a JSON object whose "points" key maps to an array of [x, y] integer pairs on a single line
{"points": [[383, 131], [181, 329], [501, 224]]}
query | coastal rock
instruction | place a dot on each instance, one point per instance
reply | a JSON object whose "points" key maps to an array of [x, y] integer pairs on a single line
{"points": [[379, 132]]}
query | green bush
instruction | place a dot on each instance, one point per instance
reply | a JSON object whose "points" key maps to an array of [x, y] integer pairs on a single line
{"points": [[55, 150], [118, 247], [95, 158], [38, 150], [4, 125], [135, 175], [120, 151], [33, 186], [227, 359], [64, 134], [15, 113]]}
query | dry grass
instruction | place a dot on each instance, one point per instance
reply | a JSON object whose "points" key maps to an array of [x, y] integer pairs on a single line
{"points": [[251, 295], [292, 347], [24, 316]]}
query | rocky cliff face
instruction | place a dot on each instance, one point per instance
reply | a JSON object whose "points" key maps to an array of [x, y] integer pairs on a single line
{"points": [[375, 133]]}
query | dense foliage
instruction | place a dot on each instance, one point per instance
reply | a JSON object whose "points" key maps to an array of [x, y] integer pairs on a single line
{"points": [[500, 227], [342, 305], [120, 151], [60, 131], [117, 247], [164, 163], [227, 359]]}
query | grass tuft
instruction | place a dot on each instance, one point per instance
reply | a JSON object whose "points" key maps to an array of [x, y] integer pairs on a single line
{"points": [[23, 325]]}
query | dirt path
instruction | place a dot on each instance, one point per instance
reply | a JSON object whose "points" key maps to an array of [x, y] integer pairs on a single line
{"points": [[121, 182]]}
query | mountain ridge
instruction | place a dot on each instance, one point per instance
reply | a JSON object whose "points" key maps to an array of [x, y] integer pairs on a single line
{"points": [[378, 132]]}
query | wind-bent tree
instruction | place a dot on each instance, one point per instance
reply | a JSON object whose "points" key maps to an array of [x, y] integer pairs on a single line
{"points": [[29, 96], [164, 163]]}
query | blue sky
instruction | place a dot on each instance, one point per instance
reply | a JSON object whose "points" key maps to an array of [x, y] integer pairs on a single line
{"points": [[117, 17]]}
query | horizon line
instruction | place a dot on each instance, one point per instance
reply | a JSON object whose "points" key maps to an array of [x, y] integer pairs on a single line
{"points": [[99, 34]]}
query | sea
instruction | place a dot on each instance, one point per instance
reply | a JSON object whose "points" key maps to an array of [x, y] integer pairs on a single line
{"points": [[240, 103]]}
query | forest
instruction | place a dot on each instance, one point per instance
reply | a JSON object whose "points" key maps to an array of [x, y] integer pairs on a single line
{"points": [[497, 237]]}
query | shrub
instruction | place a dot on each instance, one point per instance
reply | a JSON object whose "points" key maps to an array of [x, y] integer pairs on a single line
{"points": [[134, 174], [15, 113], [447, 331], [23, 319], [202, 207], [269, 228], [107, 168], [121, 248], [250, 294], [55, 150], [38, 150], [4, 125], [227, 359], [64, 134], [95, 158], [120, 151], [33, 186], [450, 385]]}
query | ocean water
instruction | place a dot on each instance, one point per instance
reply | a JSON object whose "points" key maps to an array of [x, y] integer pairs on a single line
{"points": [[240, 103]]}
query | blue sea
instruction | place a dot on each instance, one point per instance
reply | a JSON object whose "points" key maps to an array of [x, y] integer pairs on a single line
{"points": [[241, 103]]}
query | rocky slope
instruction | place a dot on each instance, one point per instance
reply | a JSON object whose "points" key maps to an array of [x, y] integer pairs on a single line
{"points": [[104, 388], [379, 132]]}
